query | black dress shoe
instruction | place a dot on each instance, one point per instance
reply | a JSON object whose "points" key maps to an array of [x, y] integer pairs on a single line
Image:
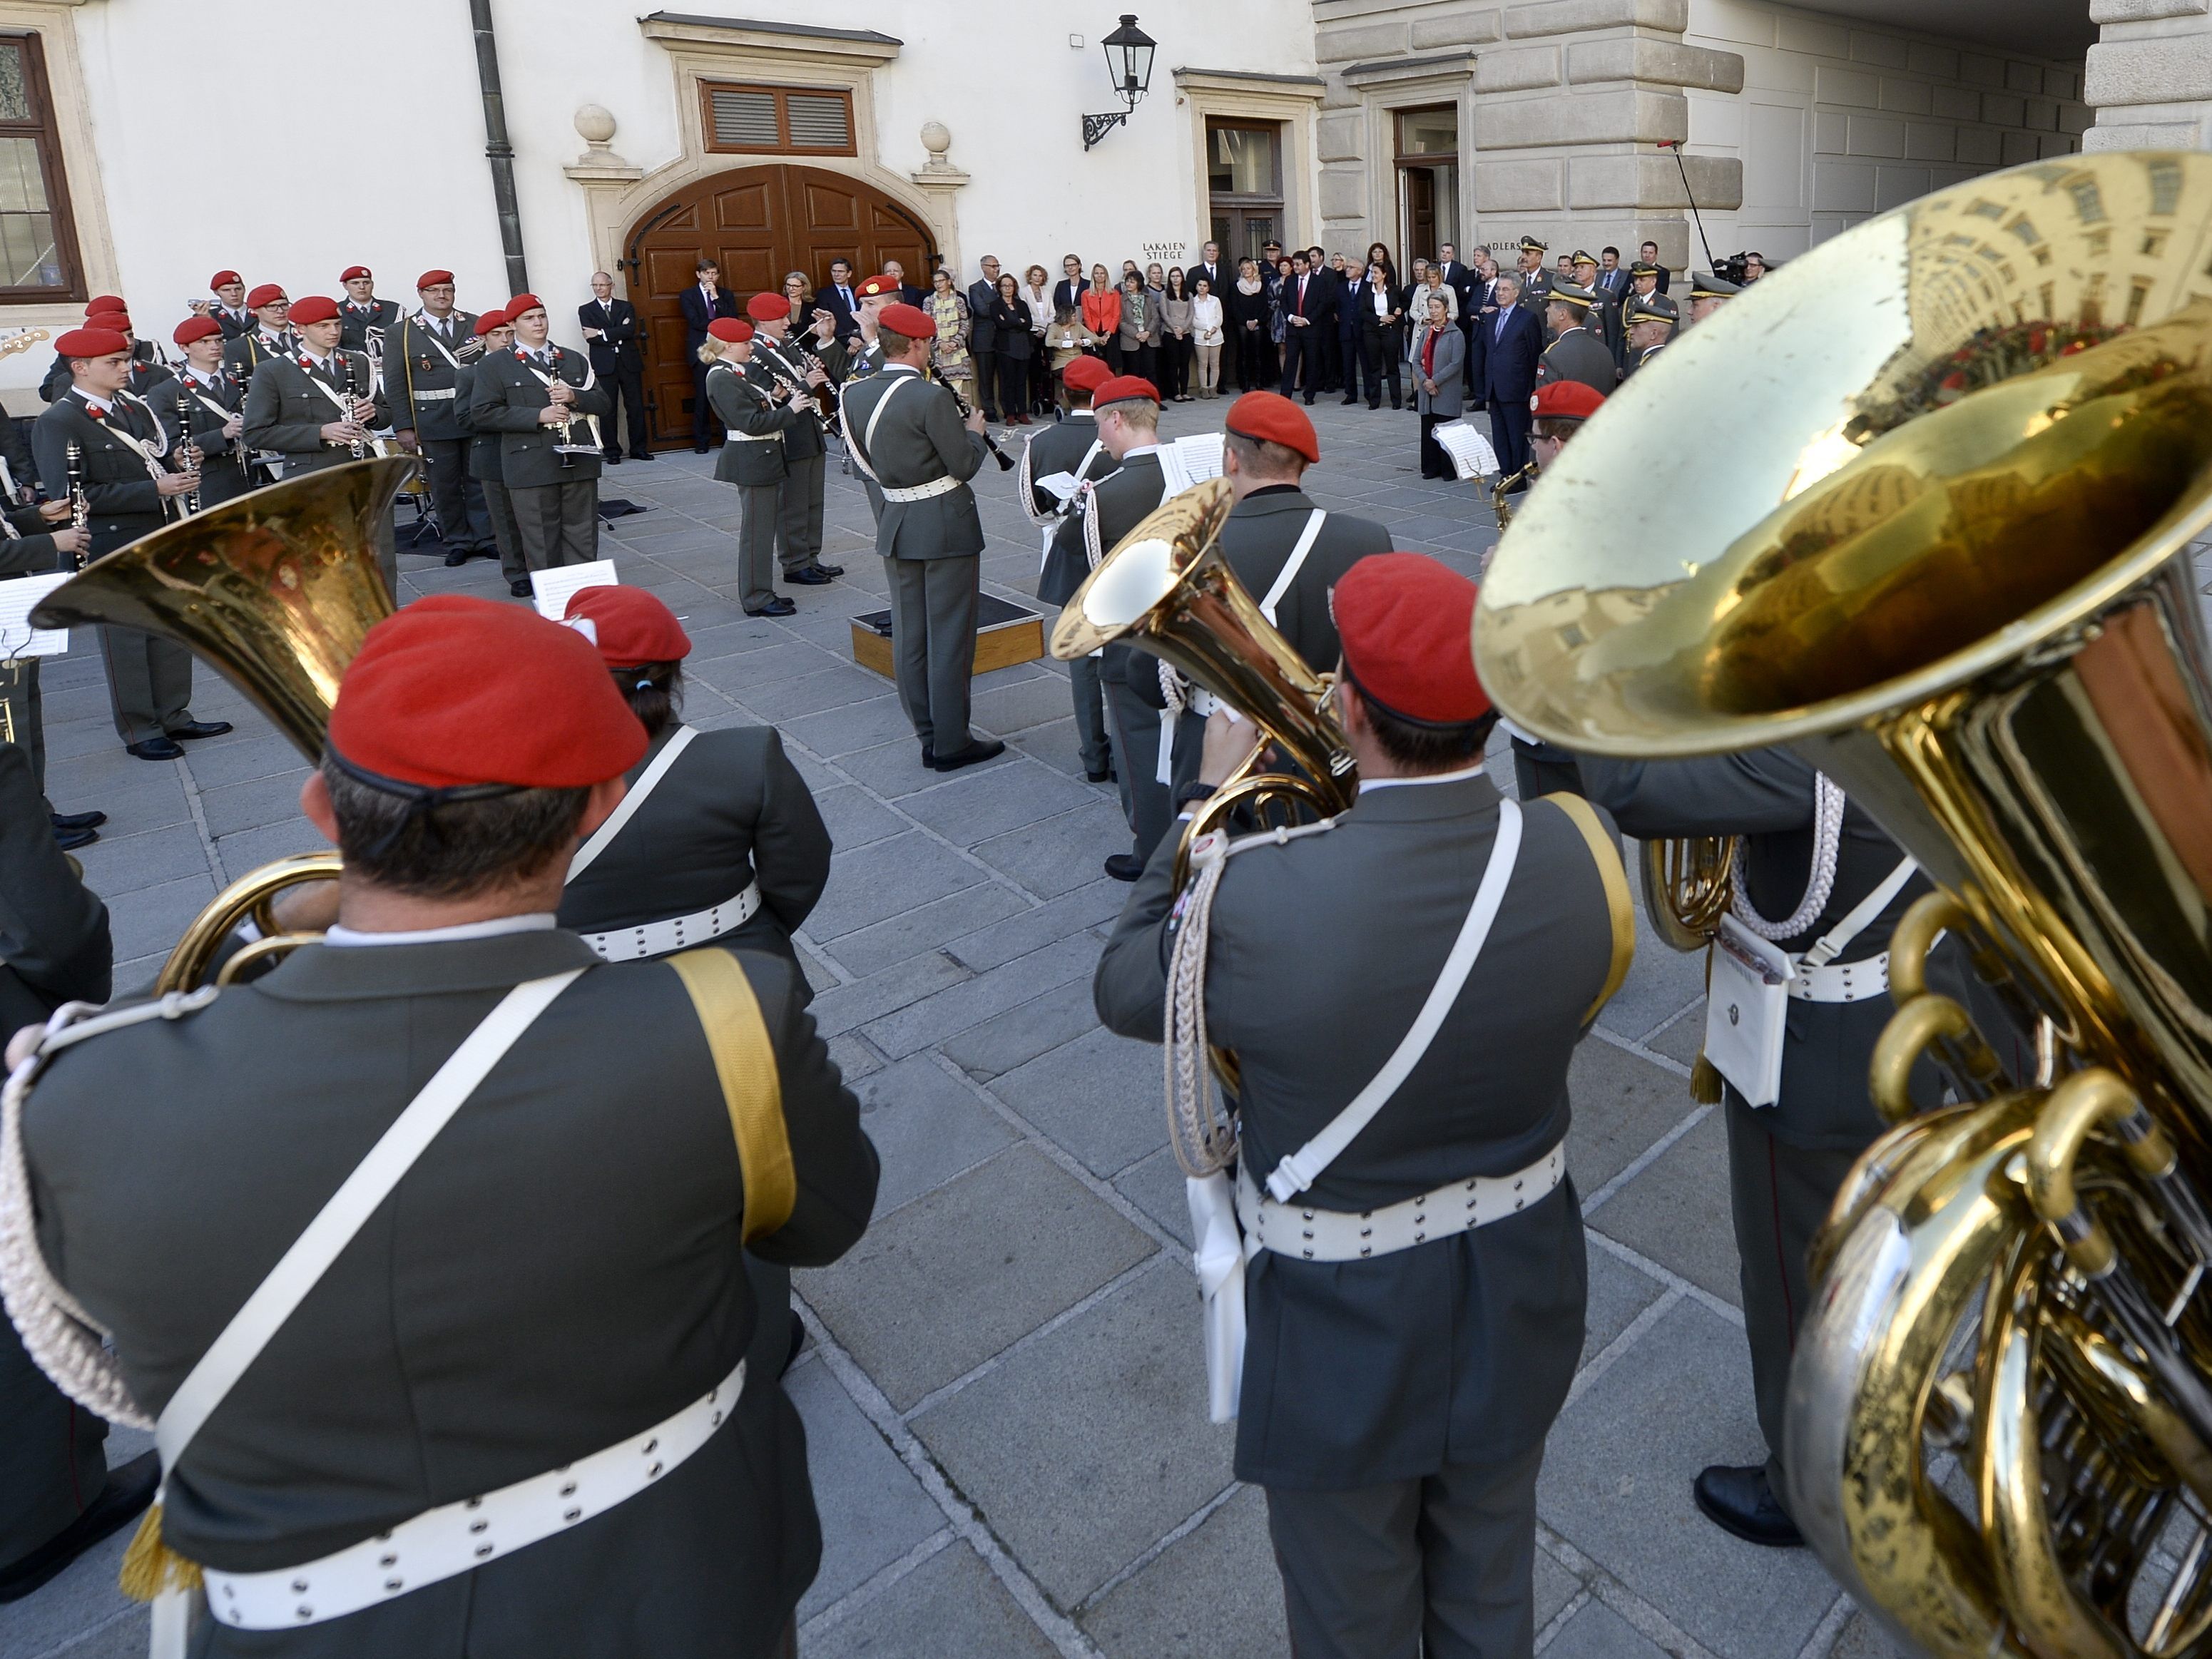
{"points": [[809, 575], [78, 820], [778, 606], [68, 840], [520, 587], [641, 455], [830, 570], [701, 449], [456, 555], [1106, 776], [1348, 402], [1125, 867], [128, 1489], [612, 460], [200, 729], [982, 749], [1739, 1500], [928, 756], [155, 748], [1377, 403], [1309, 400]]}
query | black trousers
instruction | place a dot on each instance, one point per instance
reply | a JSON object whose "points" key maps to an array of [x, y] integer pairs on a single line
{"points": [[1014, 386], [1378, 349], [1435, 463], [1175, 367], [1252, 358], [1509, 420], [987, 385], [702, 416], [463, 518], [1143, 360], [626, 386], [1347, 350], [1299, 352], [53, 1460], [1331, 356]]}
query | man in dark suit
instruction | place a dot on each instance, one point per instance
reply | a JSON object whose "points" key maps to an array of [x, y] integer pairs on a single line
{"points": [[618, 360], [907, 292], [1210, 266], [983, 340], [1613, 275], [1068, 290], [1303, 303], [1400, 1376], [1512, 346], [1649, 254], [702, 302]]}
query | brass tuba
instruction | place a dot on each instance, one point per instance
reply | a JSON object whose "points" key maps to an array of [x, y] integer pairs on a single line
{"points": [[277, 589], [1936, 536], [1166, 588]]}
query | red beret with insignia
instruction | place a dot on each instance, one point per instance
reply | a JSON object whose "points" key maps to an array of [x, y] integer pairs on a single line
{"points": [[490, 320], [196, 328], [100, 303], [1404, 620], [1086, 374], [91, 343], [315, 308], [1566, 400], [767, 308], [632, 627], [1270, 417], [352, 271], [267, 294], [1125, 388], [453, 691], [522, 303], [874, 288], [733, 328], [225, 279], [432, 279], [911, 321]]}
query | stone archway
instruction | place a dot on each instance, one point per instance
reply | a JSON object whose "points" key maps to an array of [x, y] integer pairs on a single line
{"points": [[756, 222]]}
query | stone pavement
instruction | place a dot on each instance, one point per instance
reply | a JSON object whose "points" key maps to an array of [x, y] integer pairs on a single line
{"points": [[1003, 1390]]}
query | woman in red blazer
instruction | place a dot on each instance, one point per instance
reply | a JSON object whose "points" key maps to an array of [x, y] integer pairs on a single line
{"points": [[1102, 315]]}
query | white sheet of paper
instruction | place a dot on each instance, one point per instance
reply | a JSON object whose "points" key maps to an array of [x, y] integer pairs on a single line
{"points": [[1062, 486], [550, 590], [1471, 455], [19, 596], [1200, 454]]}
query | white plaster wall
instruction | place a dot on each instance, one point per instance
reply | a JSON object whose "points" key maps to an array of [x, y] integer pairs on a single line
{"points": [[1837, 121]]}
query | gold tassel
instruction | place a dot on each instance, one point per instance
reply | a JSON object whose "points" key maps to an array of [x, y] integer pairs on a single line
{"points": [[150, 1566], [1704, 1081]]}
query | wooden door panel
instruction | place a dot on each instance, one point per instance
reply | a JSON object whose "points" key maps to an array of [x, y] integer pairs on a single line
{"points": [[748, 208]]}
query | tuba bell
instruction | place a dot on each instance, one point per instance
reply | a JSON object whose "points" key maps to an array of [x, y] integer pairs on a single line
{"points": [[277, 589], [1939, 544]]}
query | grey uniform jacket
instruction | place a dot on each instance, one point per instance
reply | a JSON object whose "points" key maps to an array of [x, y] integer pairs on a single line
{"points": [[506, 399], [1257, 540], [1119, 504], [221, 458], [1458, 1350], [120, 491], [54, 944], [356, 320], [1580, 354], [561, 1269], [802, 439], [919, 441], [1061, 448], [285, 411], [753, 453], [483, 445], [731, 810], [414, 365], [1767, 795], [246, 353]]}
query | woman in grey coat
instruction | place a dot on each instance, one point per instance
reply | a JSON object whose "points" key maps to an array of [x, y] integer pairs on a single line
{"points": [[1439, 356]]}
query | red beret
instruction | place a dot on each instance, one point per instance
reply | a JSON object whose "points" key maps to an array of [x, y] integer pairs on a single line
{"points": [[315, 308], [1086, 374], [113, 321], [196, 328], [1566, 400], [100, 303], [633, 627], [225, 279], [522, 303], [490, 320], [91, 343], [352, 271], [767, 308], [911, 321], [874, 288], [432, 279], [1270, 417], [453, 691], [730, 328], [1404, 620], [1125, 388], [267, 294]]}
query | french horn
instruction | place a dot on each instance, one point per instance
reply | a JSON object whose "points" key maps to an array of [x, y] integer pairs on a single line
{"points": [[1936, 536], [276, 589]]}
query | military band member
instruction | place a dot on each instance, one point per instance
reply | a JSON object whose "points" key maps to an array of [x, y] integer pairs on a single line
{"points": [[1577, 351], [368, 319], [1399, 1377], [1651, 324], [752, 457], [1560, 409], [422, 359], [228, 306], [270, 335], [214, 407], [1789, 1154], [859, 354], [148, 371], [493, 334], [1709, 291], [1072, 445], [799, 498], [538, 397], [316, 407], [130, 486], [34, 541], [905, 433], [566, 1253]]}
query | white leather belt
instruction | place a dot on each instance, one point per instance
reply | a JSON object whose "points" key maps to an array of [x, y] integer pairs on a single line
{"points": [[435, 395], [1317, 1235], [1842, 981], [457, 1538], [944, 486], [752, 437], [657, 939]]}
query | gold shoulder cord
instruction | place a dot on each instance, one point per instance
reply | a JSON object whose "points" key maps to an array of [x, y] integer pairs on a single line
{"points": [[744, 1060], [1606, 854]]}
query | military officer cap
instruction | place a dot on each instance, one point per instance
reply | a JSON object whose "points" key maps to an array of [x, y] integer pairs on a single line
{"points": [[491, 320], [434, 279], [1403, 619], [1530, 245], [225, 279], [1268, 418], [1124, 389], [1652, 308], [874, 288], [1644, 268], [911, 321], [353, 273], [1583, 258], [315, 308], [1566, 400], [1571, 294], [767, 308], [630, 627], [418, 715], [522, 303], [734, 330], [1709, 285], [1086, 374], [268, 294], [195, 328], [91, 343]]}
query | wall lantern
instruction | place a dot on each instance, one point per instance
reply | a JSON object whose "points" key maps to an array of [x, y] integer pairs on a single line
{"points": [[1129, 61]]}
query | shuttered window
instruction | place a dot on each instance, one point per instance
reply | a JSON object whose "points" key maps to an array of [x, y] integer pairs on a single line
{"points": [[778, 120]]}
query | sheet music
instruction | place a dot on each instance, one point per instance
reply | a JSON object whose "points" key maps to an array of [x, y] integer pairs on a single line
{"points": [[550, 590], [19, 596], [1200, 455], [1471, 453], [1061, 486]]}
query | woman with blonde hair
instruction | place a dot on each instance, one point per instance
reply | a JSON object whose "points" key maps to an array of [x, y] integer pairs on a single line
{"points": [[949, 356], [1102, 314], [1036, 295]]}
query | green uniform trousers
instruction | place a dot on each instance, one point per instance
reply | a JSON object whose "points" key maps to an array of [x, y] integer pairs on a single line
{"points": [[799, 514], [933, 609], [558, 523], [149, 682], [756, 528]]}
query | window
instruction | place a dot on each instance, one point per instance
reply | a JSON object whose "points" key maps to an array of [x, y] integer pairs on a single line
{"points": [[38, 243], [1244, 183], [777, 120], [1428, 180]]}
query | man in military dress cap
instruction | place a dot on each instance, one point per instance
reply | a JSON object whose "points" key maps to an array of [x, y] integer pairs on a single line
{"points": [[798, 498], [538, 397], [1535, 280], [1416, 1279], [752, 458], [1645, 280], [1651, 324], [905, 432], [499, 1413], [1071, 448], [422, 358], [1576, 352], [368, 319], [214, 411], [270, 335], [1709, 291]]}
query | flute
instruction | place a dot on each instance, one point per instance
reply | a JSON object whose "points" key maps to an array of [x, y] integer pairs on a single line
{"points": [[188, 452], [80, 503]]}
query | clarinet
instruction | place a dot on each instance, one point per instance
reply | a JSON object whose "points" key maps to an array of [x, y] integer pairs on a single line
{"points": [[358, 447], [794, 381], [1006, 461], [80, 503], [187, 452]]}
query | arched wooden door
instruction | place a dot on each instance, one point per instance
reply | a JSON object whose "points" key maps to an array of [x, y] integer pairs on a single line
{"points": [[756, 223]]}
